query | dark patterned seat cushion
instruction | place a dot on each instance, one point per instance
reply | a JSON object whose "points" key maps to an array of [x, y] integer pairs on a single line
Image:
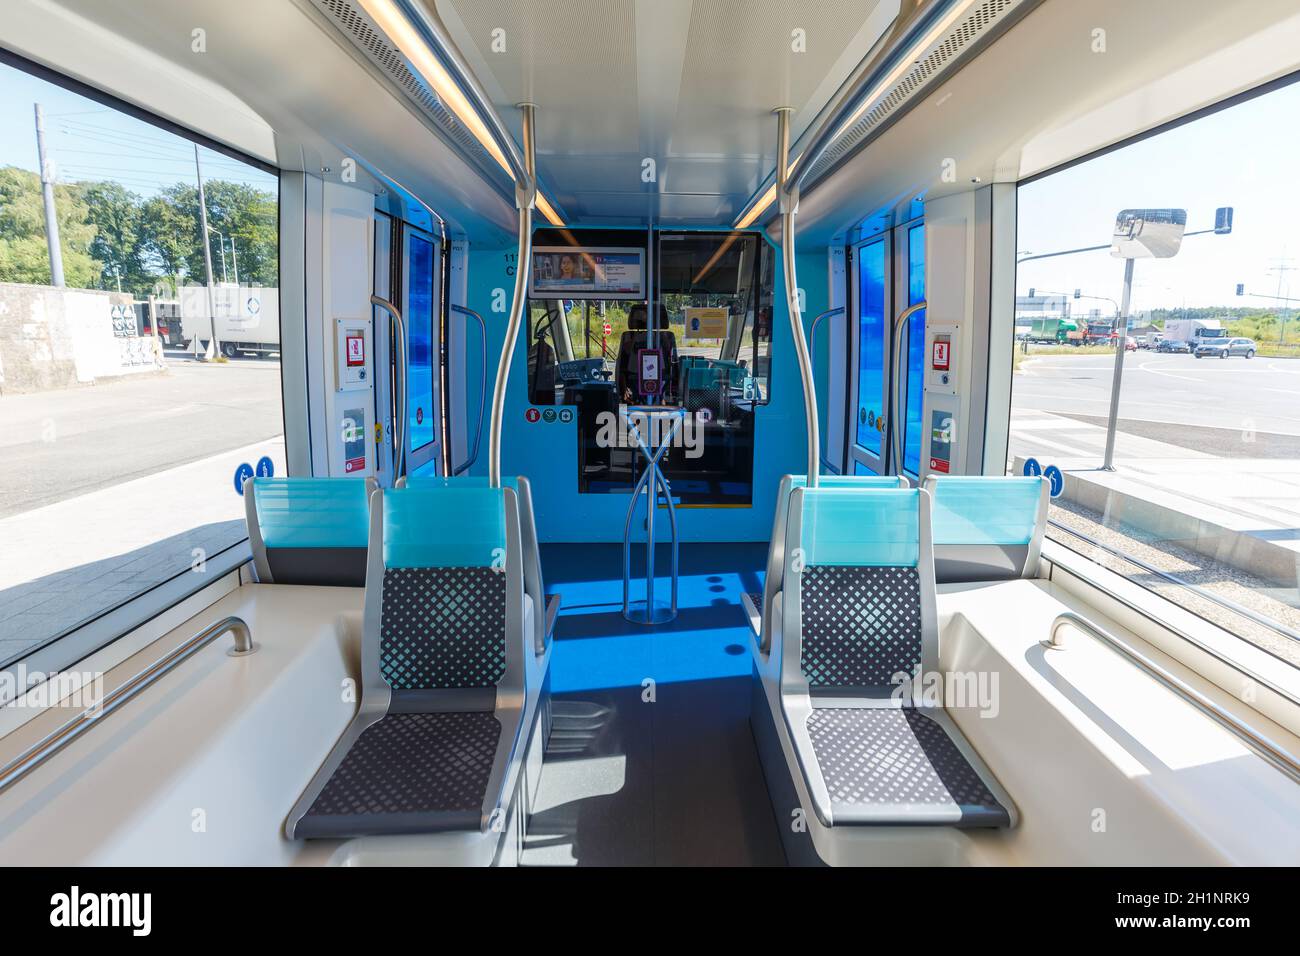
{"points": [[418, 772], [874, 760], [861, 625], [443, 628]]}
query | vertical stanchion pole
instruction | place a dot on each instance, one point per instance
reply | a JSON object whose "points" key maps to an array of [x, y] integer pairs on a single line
{"points": [[525, 194], [788, 202]]}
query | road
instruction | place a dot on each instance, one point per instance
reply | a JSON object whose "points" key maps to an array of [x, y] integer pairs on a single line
{"points": [[1230, 408], [59, 444]]}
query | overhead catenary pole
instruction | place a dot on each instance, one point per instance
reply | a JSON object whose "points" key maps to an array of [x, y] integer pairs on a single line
{"points": [[788, 200], [47, 195], [207, 248]]}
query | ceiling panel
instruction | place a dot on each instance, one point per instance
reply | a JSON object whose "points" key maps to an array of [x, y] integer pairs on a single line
{"points": [[689, 84]]}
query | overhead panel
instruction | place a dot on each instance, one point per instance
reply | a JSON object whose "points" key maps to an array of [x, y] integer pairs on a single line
{"points": [[355, 24], [980, 25], [687, 85]]}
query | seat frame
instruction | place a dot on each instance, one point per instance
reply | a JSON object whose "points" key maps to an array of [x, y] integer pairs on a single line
{"points": [[508, 700], [767, 618], [798, 699], [1021, 560]]}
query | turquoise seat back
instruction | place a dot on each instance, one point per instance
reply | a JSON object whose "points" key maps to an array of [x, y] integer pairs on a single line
{"points": [[312, 512], [977, 510], [987, 528], [861, 527], [432, 524]]}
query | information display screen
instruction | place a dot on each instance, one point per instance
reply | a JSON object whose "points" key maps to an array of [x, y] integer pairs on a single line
{"points": [[583, 272]]}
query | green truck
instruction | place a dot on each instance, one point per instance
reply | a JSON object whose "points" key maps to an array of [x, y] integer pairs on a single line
{"points": [[1048, 330]]}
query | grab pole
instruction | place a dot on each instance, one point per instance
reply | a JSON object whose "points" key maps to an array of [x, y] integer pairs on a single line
{"points": [[525, 194], [789, 201]]}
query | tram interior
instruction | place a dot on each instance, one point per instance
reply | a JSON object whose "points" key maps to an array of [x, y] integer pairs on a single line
{"points": [[646, 478]]}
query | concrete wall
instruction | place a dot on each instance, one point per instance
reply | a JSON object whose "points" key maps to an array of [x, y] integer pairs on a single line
{"points": [[58, 338]]}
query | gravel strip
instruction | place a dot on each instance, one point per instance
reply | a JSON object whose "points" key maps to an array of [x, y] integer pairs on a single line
{"points": [[1258, 595]]}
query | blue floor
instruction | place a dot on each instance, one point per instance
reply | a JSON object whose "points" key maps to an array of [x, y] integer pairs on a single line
{"points": [[661, 773], [597, 648]]}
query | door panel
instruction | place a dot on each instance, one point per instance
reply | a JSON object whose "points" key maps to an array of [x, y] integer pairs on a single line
{"points": [[421, 308], [914, 257], [871, 315]]}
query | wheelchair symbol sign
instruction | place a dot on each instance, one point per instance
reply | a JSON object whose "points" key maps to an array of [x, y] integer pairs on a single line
{"points": [[1053, 475]]}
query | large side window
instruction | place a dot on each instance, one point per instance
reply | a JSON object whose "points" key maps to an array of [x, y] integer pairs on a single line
{"points": [[873, 334], [139, 358], [1198, 498]]}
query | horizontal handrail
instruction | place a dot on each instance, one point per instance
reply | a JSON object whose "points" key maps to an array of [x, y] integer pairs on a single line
{"points": [[1280, 759], [44, 749]]}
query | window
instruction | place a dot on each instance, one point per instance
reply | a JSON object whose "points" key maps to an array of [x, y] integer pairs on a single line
{"points": [[135, 391], [873, 337], [915, 349], [1201, 504]]}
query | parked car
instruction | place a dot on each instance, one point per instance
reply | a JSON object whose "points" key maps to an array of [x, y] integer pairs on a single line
{"points": [[1173, 345], [1222, 348]]}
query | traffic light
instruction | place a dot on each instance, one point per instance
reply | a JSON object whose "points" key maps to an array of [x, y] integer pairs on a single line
{"points": [[1223, 221], [1078, 293], [1031, 292], [1241, 288]]}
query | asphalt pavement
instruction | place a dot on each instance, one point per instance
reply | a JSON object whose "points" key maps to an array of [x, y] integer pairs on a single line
{"points": [[56, 445]]}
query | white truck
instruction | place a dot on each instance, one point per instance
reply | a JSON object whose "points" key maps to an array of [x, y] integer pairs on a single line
{"points": [[247, 318], [1192, 331]]}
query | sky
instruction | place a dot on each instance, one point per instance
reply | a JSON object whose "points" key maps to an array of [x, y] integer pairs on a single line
{"points": [[1246, 156], [90, 141]]}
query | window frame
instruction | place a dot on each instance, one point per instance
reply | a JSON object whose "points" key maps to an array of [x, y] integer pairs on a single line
{"points": [[110, 624], [1149, 604]]}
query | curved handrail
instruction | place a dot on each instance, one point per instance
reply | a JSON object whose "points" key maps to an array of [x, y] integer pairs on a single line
{"points": [[482, 387], [827, 465], [895, 401], [404, 370], [46, 748], [1279, 758]]}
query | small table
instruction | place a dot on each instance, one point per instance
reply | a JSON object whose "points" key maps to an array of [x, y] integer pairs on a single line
{"points": [[666, 422]]}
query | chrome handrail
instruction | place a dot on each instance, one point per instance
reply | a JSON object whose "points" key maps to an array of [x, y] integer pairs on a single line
{"points": [[1279, 758], [46, 748], [404, 370], [482, 387], [893, 418], [827, 466]]}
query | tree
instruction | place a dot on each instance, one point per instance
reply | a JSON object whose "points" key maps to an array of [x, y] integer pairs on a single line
{"points": [[169, 227], [118, 246], [24, 254]]}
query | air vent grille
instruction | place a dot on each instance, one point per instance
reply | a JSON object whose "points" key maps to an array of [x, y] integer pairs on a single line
{"points": [[974, 28], [364, 34]]}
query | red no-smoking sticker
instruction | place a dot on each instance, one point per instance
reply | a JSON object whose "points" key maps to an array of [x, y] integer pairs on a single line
{"points": [[533, 415]]}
